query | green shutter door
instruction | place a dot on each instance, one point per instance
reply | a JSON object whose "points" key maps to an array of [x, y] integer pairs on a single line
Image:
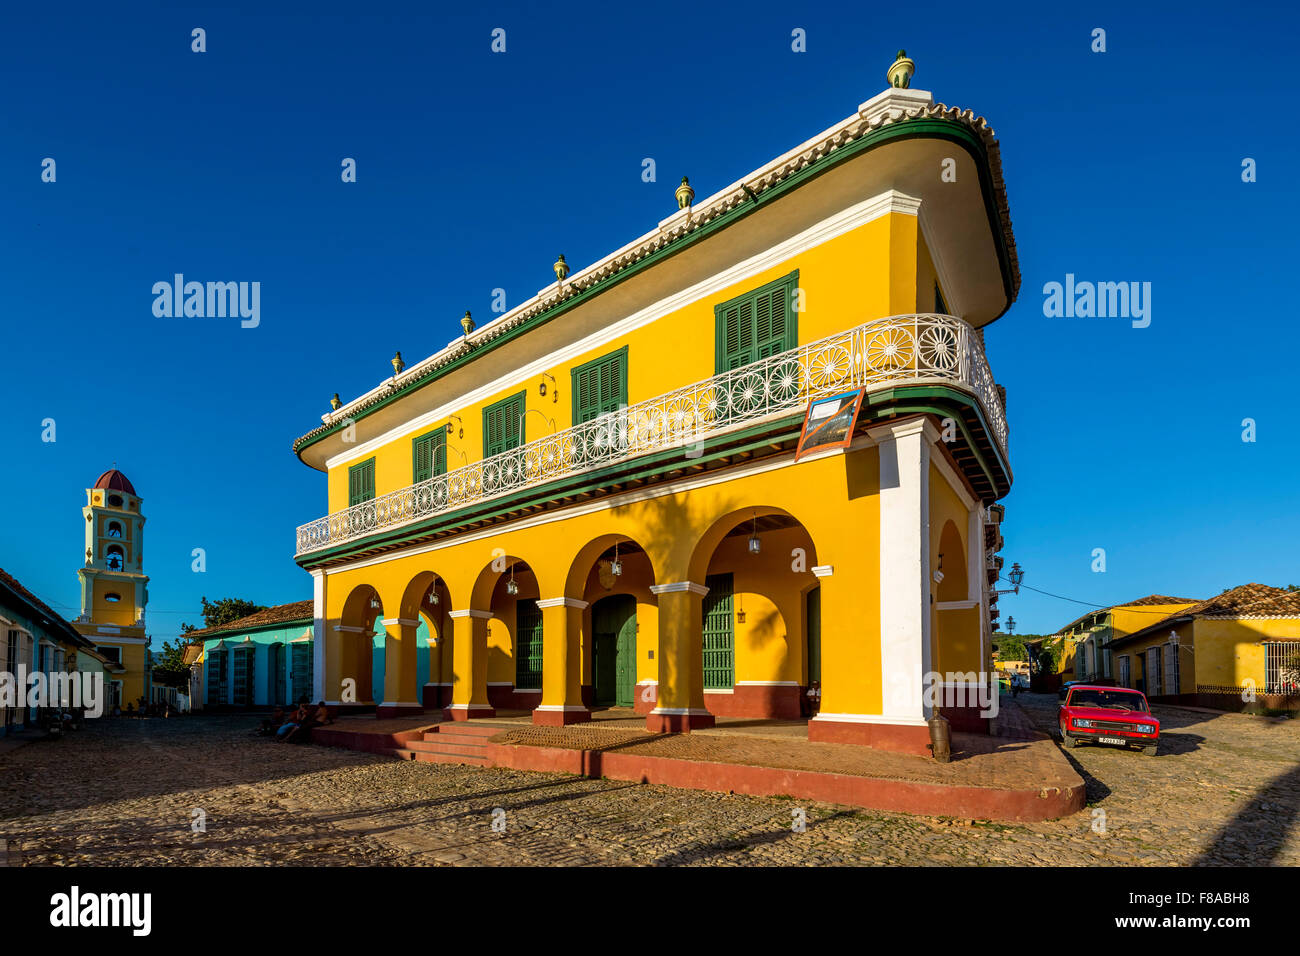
{"points": [[814, 618], [361, 482], [625, 667], [756, 325], [277, 674], [719, 634], [429, 456], [600, 387], [528, 644], [303, 664], [502, 427]]}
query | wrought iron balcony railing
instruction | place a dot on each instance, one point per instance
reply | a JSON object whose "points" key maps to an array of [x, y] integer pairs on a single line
{"points": [[900, 350]]}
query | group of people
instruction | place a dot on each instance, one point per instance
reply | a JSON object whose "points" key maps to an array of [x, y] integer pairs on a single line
{"points": [[295, 727], [146, 709]]}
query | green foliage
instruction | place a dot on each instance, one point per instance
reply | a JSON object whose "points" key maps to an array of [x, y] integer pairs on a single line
{"points": [[223, 611], [169, 665], [1010, 648]]}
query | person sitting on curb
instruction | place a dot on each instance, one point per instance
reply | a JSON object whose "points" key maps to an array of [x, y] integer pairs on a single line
{"points": [[293, 723]]}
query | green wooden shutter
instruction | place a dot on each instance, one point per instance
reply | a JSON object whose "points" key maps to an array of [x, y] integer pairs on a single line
{"points": [[502, 428], [361, 482], [757, 325], [719, 633], [303, 664], [600, 386], [528, 644], [429, 456]]}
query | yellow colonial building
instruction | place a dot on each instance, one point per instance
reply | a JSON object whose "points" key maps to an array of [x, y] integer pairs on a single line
{"points": [[1086, 642], [592, 500], [1245, 639], [114, 587]]}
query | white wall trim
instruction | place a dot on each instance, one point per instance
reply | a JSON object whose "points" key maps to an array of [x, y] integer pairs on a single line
{"points": [[676, 587], [767, 683], [563, 602], [823, 570], [562, 708], [471, 612], [955, 605], [405, 622], [349, 629], [844, 221], [682, 711], [904, 565]]}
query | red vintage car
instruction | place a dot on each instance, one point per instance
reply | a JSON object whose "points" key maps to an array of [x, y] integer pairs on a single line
{"points": [[1108, 715]]}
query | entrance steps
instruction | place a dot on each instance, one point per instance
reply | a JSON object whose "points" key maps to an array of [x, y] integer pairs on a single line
{"points": [[450, 743]]}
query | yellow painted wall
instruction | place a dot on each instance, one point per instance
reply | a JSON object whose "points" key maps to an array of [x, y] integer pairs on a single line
{"points": [[1230, 652], [870, 272], [954, 632]]}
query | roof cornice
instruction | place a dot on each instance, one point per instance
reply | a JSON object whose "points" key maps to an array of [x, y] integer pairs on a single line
{"points": [[877, 121]]}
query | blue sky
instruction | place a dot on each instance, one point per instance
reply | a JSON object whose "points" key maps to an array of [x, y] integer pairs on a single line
{"points": [[475, 169]]}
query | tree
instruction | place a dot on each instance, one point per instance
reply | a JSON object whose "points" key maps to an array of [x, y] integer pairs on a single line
{"points": [[223, 611], [169, 667], [1010, 648]]}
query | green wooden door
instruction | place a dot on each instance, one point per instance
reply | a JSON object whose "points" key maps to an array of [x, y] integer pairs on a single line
{"points": [[625, 667], [719, 633], [613, 625], [528, 640]]}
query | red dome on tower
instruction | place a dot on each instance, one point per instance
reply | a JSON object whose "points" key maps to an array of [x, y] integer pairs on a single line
{"points": [[115, 481]]}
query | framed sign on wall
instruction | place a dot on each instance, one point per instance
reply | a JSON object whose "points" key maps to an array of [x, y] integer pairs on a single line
{"points": [[829, 422]]}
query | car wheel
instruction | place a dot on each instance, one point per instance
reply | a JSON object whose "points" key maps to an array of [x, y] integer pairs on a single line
{"points": [[1073, 741], [1150, 751]]}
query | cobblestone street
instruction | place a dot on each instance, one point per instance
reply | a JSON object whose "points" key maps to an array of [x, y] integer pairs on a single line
{"points": [[1224, 790]]}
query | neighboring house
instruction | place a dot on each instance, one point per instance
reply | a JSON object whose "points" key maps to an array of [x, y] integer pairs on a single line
{"points": [[34, 638], [260, 660], [1247, 638], [593, 500], [1086, 643], [114, 587]]}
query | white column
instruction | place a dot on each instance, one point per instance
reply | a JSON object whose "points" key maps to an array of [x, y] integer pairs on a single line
{"points": [[904, 566], [318, 637]]}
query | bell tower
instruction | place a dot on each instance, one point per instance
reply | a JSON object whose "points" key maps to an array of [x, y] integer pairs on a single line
{"points": [[114, 587]]}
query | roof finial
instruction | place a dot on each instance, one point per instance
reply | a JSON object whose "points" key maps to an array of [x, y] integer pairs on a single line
{"points": [[335, 403], [561, 268], [467, 323], [900, 71], [685, 194], [398, 364]]}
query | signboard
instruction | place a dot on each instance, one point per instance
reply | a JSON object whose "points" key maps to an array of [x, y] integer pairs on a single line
{"points": [[829, 422]]}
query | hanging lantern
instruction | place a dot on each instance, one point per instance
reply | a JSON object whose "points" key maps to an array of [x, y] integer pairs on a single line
{"points": [[740, 611], [616, 566], [433, 595], [511, 587], [755, 546]]}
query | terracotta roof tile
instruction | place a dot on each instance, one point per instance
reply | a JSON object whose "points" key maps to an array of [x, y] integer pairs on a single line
{"points": [[280, 614]]}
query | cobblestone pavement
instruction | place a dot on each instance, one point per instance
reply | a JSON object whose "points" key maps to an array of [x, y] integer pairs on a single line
{"points": [[1225, 790]]}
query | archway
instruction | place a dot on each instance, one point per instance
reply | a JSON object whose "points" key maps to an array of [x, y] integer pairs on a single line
{"points": [[359, 634], [427, 601], [504, 599], [757, 627], [613, 576]]}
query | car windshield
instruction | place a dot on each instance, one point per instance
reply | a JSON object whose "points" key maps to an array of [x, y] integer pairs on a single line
{"points": [[1108, 699]]}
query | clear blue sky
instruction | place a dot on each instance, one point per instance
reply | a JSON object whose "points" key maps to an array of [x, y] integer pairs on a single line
{"points": [[475, 170]]}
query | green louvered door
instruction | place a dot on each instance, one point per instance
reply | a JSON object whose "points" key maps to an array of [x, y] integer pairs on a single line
{"points": [[276, 656], [756, 325], [429, 456], [303, 665], [719, 633], [502, 428], [600, 387], [361, 482]]}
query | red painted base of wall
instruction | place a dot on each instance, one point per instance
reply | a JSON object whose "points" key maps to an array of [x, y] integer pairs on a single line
{"points": [[475, 710], [370, 743], [749, 700], [643, 702], [984, 803], [900, 737], [558, 718], [507, 698], [676, 723], [965, 720], [398, 710], [435, 697]]}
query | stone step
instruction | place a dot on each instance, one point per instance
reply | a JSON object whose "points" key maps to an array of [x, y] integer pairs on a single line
{"points": [[462, 729], [431, 756], [468, 746]]}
